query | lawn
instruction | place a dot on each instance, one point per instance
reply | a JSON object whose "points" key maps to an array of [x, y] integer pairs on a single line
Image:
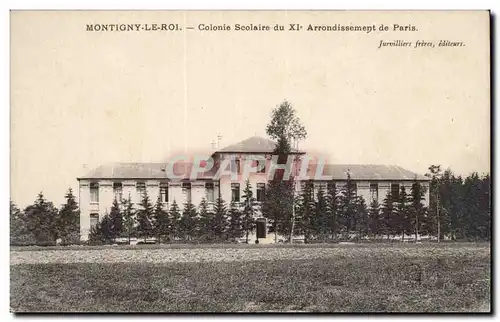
{"points": [[452, 281]]}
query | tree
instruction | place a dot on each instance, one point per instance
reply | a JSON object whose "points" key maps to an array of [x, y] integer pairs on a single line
{"points": [[161, 221], [128, 217], [188, 222], [235, 230], [362, 222], [388, 214], [321, 218], [144, 216], [175, 216], [207, 221], [248, 210], [19, 233], [348, 205], [42, 220], [332, 201], [374, 218], [284, 127], [220, 223], [306, 210], [102, 233], [116, 219], [68, 223], [401, 221], [417, 209]]}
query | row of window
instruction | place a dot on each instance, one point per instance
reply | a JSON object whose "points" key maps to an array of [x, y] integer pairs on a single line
{"points": [[210, 191], [186, 189]]}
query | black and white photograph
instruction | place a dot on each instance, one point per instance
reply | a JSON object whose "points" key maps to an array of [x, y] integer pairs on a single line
{"points": [[250, 161]]}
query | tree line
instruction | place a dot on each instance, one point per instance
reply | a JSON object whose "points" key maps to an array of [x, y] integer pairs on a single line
{"points": [[218, 222]]}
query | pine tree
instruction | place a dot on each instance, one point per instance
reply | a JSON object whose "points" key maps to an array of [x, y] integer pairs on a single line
{"points": [[306, 210], [188, 222], [249, 211], [321, 218], [19, 233], [128, 218], [388, 215], [362, 222], [175, 216], [235, 230], [68, 223], [332, 209], [417, 209], [207, 221], [374, 219], [116, 218], [42, 220], [347, 203], [161, 221], [220, 226], [106, 227], [144, 218], [401, 221]]}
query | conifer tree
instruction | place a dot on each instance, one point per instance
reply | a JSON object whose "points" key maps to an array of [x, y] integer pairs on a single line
{"points": [[306, 210], [332, 209], [235, 230], [348, 201], [188, 222], [249, 211], [401, 223], [116, 218], [220, 223], [69, 219], [374, 219], [128, 218], [175, 216], [42, 220], [388, 215], [19, 233], [417, 209], [362, 222], [161, 221], [321, 218], [144, 218], [207, 221]]}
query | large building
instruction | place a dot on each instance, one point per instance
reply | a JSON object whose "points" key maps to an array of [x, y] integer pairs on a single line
{"points": [[99, 187]]}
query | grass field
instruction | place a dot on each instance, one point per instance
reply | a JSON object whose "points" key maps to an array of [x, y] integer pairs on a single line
{"points": [[422, 278]]}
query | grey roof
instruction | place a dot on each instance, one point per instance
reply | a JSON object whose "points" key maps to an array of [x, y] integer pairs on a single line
{"points": [[139, 171], [368, 172], [255, 144], [338, 171]]}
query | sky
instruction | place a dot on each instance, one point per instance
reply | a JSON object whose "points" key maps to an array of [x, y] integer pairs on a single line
{"points": [[80, 99]]}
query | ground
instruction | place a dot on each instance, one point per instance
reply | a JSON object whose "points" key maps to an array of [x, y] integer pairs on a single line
{"points": [[246, 278]]}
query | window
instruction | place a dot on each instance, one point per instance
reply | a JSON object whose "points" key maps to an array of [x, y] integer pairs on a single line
{"points": [[236, 166], [261, 191], [186, 189], [164, 191], [118, 191], [209, 187], [94, 220], [141, 188], [260, 163], [355, 189], [374, 191], [235, 192], [395, 191], [94, 192]]}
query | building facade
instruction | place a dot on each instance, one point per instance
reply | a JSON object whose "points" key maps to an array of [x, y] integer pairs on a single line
{"points": [[99, 187]]}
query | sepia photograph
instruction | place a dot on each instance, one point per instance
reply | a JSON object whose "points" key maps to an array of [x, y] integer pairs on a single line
{"points": [[230, 161]]}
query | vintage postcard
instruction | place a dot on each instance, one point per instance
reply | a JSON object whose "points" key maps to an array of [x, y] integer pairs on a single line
{"points": [[250, 161]]}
